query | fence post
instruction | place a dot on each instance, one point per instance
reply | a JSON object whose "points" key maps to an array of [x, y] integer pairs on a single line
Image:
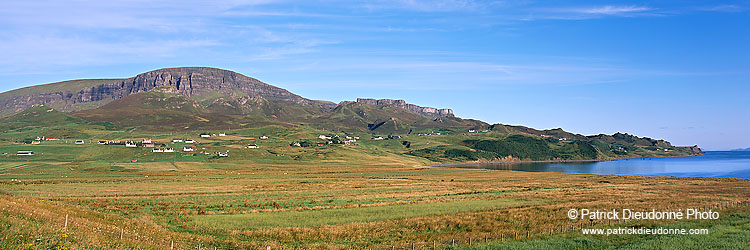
{"points": [[171, 244], [66, 222], [122, 230]]}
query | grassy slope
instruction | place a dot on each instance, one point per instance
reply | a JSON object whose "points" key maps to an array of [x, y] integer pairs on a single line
{"points": [[731, 232], [380, 202], [312, 218]]}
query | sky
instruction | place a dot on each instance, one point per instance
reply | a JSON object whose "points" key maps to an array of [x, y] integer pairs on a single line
{"points": [[671, 69]]}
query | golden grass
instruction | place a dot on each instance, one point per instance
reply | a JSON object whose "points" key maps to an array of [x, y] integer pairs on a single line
{"points": [[170, 199]]}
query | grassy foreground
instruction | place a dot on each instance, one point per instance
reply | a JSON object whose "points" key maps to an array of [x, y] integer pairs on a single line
{"points": [[732, 232], [372, 194], [377, 202]]}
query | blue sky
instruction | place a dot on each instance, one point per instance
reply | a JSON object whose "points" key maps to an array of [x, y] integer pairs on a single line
{"points": [[676, 70]]}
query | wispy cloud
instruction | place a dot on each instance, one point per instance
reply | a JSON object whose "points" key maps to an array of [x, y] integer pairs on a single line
{"points": [[613, 10], [723, 8], [423, 5]]}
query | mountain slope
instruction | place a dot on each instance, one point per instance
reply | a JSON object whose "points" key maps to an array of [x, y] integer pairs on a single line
{"points": [[164, 108], [192, 82], [191, 99], [387, 118]]}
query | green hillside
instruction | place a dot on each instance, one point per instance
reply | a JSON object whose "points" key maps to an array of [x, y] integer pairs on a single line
{"points": [[160, 104], [388, 119]]}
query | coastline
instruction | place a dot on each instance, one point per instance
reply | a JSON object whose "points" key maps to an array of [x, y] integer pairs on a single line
{"points": [[549, 161]]}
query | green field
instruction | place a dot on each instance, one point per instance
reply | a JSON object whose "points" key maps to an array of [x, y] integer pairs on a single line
{"points": [[311, 218], [367, 194]]}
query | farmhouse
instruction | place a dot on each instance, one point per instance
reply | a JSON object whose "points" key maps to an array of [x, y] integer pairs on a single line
{"points": [[25, 153], [188, 149], [252, 146]]}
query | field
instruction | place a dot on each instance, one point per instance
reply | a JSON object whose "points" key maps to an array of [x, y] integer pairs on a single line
{"points": [[368, 195]]}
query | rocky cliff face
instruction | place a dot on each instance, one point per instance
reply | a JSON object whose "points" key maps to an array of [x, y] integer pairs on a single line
{"points": [[696, 150], [189, 81], [426, 111]]}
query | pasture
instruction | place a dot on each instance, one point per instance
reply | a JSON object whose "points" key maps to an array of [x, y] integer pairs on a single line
{"points": [[366, 195]]}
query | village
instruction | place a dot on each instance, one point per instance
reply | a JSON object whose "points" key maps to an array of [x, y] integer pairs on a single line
{"points": [[193, 146]]}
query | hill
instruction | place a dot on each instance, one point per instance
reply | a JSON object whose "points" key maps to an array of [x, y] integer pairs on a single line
{"points": [[193, 99], [206, 84]]}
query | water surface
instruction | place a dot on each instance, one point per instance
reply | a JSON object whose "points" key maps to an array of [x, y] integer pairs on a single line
{"points": [[711, 164]]}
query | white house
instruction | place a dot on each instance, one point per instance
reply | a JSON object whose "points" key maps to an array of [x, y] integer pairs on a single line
{"points": [[79, 142], [25, 153], [252, 146], [189, 141], [176, 140], [205, 136], [148, 145], [188, 149], [157, 150], [223, 154], [169, 150], [378, 138], [222, 134], [103, 142], [130, 144], [263, 137], [146, 141], [324, 137]]}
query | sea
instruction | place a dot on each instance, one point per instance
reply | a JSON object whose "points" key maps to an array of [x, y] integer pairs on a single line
{"points": [[733, 164]]}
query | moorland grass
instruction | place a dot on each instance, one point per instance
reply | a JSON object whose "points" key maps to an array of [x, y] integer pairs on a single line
{"points": [[311, 218]]}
